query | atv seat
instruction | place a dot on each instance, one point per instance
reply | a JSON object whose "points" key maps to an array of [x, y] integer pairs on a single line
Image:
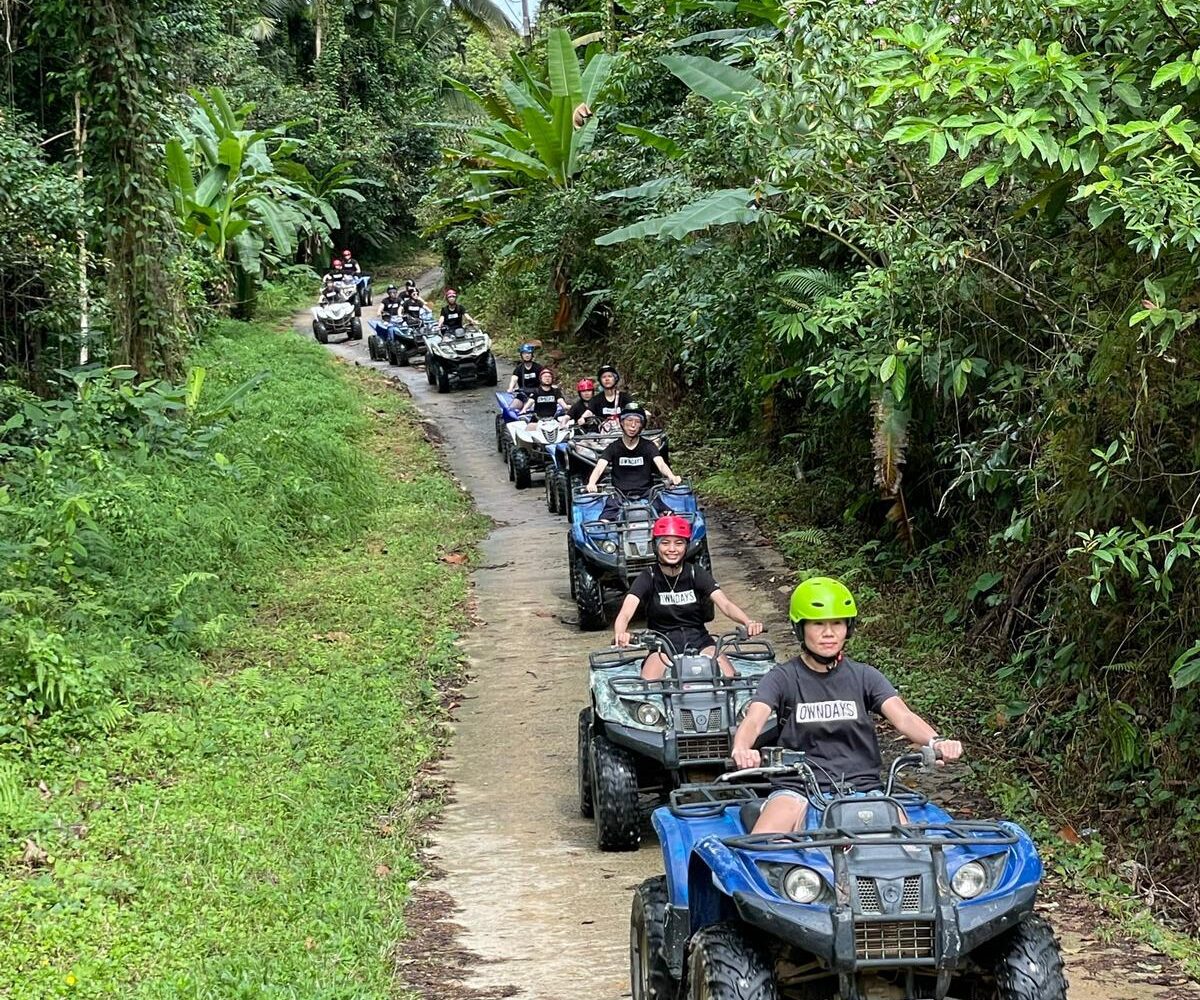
{"points": [[750, 812]]}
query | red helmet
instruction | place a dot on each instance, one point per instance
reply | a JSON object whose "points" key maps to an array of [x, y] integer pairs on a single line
{"points": [[672, 526], [544, 372], [585, 385], [336, 262], [347, 253], [451, 291]]}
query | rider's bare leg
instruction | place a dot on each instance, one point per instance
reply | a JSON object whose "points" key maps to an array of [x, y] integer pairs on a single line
{"points": [[656, 665], [782, 814]]}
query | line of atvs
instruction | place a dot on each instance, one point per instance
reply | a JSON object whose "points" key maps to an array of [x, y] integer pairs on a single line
{"points": [[881, 896]]}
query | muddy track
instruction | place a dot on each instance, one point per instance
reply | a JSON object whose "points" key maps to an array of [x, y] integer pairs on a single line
{"points": [[523, 904]]}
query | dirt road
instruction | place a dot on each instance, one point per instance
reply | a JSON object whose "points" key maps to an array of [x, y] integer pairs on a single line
{"points": [[539, 912]]}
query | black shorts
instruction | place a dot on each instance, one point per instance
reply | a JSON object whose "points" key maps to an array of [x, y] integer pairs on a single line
{"points": [[689, 638]]}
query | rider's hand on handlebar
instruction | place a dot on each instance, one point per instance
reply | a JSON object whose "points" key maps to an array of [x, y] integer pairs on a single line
{"points": [[753, 628], [675, 480], [746, 758], [592, 488], [949, 749], [622, 639]]}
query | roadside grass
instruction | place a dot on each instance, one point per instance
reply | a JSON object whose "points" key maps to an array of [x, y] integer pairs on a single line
{"points": [[249, 832]]}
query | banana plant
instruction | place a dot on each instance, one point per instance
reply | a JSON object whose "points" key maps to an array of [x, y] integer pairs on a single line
{"points": [[540, 127], [241, 195]]}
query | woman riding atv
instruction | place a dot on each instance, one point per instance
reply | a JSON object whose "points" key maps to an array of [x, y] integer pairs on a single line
{"points": [[581, 410], [525, 376], [676, 595], [633, 459], [454, 317], [824, 702], [609, 401], [545, 400]]}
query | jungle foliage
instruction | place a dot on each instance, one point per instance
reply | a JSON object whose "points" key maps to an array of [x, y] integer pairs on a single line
{"points": [[942, 265]]}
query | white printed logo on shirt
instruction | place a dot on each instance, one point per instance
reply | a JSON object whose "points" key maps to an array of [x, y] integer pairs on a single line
{"points": [[677, 597], [627, 460], [826, 711]]}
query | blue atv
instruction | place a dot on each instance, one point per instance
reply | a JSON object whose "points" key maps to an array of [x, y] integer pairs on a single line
{"points": [[364, 289], [882, 895], [610, 553], [509, 410]]}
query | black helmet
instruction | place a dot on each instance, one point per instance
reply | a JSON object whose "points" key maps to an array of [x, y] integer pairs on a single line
{"points": [[409, 283], [632, 409], [392, 288], [608, 369]]}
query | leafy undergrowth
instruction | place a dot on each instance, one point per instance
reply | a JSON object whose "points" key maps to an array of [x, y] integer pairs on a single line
{"points": [[245, 833]]}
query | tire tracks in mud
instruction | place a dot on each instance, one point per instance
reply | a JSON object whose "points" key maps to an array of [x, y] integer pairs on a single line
{"points": [[519, 901]]}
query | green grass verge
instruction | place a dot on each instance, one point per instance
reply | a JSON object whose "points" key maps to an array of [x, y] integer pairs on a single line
{"points": [[247, 832]]}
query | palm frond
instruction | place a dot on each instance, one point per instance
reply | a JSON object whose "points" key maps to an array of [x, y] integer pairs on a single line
{"points": [[484, 15]]}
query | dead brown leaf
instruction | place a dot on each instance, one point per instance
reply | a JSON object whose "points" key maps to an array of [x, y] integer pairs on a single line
{"points": [[34, 856], [455, 558], [383, 871], [1069, 835]]}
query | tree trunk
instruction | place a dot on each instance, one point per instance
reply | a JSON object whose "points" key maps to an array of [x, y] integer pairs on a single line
{"points": [[85, 301]]}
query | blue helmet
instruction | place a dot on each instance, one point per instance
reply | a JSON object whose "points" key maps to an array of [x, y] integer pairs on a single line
{"points": [[527, 348]]}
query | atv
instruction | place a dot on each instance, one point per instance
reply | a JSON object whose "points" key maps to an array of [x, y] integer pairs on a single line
{"points": [[363, 287], [336, 319], [532, 442], [881, 895], [407, 339], [458, 357], [609, 554], [510, 411], [641, 736]]}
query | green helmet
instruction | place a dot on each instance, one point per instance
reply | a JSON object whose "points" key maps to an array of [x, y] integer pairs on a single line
{"points": [[820, 599]]}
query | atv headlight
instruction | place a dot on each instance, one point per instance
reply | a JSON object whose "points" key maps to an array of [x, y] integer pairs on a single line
{"points": [[648, 715], [970, 880], [608, 546], [802, 885]]}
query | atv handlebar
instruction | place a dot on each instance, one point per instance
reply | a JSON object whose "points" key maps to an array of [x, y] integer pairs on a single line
{"points": [[794, 763], [656, 642]]}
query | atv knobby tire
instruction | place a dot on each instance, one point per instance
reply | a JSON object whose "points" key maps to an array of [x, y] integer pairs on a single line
{"points": [[571, 564], [702, 559], [1028, 964], [443, 380], [521, 476], [430, 369], [615, 797], [373, 345], [356, 329], [723, 965], [551, 491], [500, 433], [490, 375], [589, 597], [649, 972], [321, 332], [584, 763]]}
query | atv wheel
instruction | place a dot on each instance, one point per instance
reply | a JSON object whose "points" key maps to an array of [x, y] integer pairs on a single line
{"points": [[490, 376], [401, 357], [723, 965], [373, 348], [321, 332], [589, 598], [430, 369], [583, 763], [565, 501], [649, 973], [551, 492], [1029, 963], [443, 380], [615, 797], [508, 454], [702, 558], [571, 563], [356, 330], [499, 434], [520, 468]]}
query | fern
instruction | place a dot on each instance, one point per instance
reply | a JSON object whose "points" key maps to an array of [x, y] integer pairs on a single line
{"points": [[811, 283]]}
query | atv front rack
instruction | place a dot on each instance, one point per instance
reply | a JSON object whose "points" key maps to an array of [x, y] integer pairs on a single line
{"points": [[939, 835], [632, 687], [703, 800]]}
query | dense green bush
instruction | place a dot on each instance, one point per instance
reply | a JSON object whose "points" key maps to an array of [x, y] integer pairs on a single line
{"points": [[132, 511]]}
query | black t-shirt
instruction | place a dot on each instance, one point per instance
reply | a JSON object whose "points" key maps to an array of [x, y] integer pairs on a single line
{"points": [[828, 716], [452, 316], [527, 376], [579, 408], [545, 401], [631, 469], [389, 307], [351, 267], [679, 602], [605, 410], [412, 309]]}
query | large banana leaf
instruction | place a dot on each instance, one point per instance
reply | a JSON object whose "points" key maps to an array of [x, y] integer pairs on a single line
{"points": [[562, 66], [663, 143], [715, 81], [595, 76], [723, 208]]}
